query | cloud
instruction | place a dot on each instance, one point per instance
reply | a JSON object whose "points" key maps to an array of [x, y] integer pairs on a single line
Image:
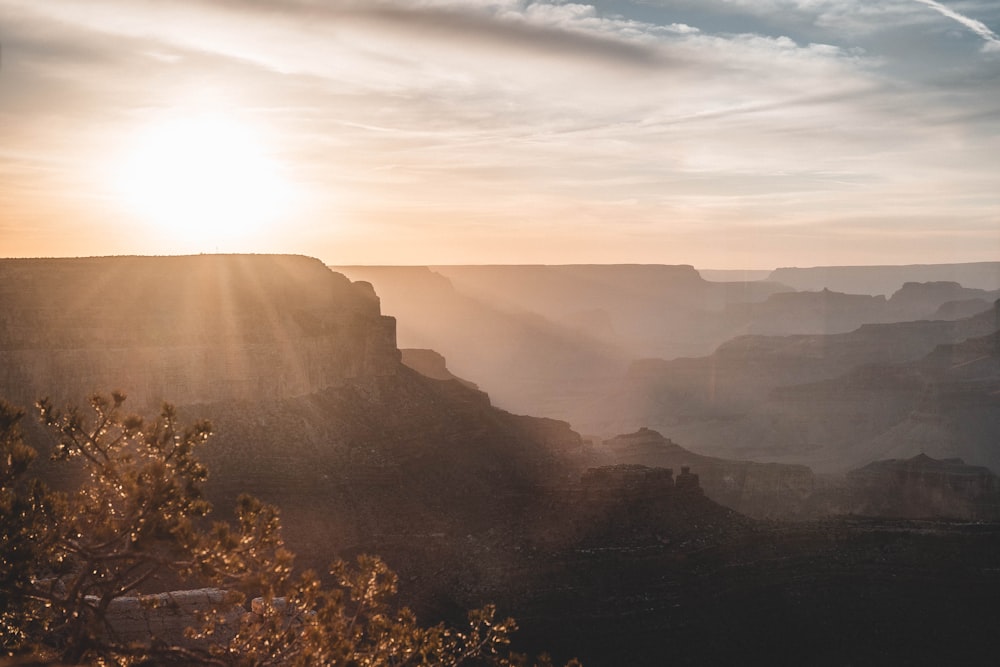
{"points": [[978, 27], [844, 20], [565, 30], [526, 114], [573, 33]]}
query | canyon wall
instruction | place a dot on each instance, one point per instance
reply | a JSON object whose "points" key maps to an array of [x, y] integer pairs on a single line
{"points": [[188, 330], [759, 490], [924, 487]]}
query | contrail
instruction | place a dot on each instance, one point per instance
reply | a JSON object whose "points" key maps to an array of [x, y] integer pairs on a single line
{"points": [[975, 26]]}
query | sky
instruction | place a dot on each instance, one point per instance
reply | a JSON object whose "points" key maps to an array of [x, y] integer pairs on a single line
{"points": [[740, 134]]}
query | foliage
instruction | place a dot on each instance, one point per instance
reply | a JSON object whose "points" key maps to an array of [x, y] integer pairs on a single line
{"points": [[355, 623], [138, 520], [22, 535]]}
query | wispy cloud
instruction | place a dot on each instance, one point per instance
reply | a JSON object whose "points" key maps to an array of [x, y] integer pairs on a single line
{"points": [[978, 27], [464, 120], [572, 30]]}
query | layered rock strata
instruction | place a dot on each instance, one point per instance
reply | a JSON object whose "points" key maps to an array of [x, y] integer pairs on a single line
{"points": [[924, 487], [186, 329]]}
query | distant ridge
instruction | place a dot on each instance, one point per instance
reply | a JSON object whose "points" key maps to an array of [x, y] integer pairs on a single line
{"points": [[887, 279], [734, 275]]}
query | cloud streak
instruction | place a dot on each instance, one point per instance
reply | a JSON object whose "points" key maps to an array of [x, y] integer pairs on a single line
{"points": [[572, 31], [978, 27], [488, 123]]}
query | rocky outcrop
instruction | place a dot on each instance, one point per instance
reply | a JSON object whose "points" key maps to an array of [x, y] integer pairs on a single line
{"points": [[914, 301], [954, 310], [525, 360], [923, 487], [753, 397], [822, 312], [165, 617], [628, 506], [945, 405], [763, 490], [631, 481], [431, 364], [186, 329]]}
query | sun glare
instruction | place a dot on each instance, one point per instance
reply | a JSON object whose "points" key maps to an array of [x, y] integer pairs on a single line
{"points": [[203, 177]]}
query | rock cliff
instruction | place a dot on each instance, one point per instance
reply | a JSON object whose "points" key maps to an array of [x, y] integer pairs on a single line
{"points": [[527, 362], [186, 329], [787, 398], [924, 487], [914, 301], [431, 364], [761, 490], [822, 312]]}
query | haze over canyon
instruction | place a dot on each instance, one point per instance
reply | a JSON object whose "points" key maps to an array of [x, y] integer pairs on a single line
{"points": [[805, 453]]}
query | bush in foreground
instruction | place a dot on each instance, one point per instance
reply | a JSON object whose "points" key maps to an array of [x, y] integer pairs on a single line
{"points": [[138, 520]]}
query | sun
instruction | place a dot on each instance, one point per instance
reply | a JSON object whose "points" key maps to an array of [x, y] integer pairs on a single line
{"points": [[205, 178]]}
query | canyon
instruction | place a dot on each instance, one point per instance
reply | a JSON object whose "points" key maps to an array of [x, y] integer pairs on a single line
{"points": [[589, 541], [750, 370]]}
